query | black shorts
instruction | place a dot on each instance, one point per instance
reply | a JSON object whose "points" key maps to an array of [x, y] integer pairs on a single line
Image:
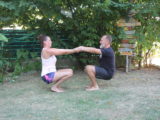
{"points": [[102, 73]]}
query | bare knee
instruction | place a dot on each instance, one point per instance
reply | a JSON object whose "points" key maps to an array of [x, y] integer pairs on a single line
{"points": [[89, 68], [69, 72]]}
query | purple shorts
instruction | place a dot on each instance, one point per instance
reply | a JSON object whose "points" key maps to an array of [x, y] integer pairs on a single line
{"points": [[48, 78]]}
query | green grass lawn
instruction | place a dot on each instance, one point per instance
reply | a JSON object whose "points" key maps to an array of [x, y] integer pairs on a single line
{"points": [[132, 96]]}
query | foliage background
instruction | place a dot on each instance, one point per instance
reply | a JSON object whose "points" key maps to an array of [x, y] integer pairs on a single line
{"points": [[89, 21]]}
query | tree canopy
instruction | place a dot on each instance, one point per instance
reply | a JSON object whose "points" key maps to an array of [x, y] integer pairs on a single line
{"points": [[86, 21]]}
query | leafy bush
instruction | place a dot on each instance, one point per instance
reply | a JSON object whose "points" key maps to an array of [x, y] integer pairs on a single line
{"points": [[24, 62], [89, 20]]}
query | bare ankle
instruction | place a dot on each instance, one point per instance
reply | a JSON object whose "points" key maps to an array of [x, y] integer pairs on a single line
{"points": [[56, 89]]}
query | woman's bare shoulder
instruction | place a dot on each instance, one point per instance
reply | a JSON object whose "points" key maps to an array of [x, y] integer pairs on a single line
{"points": [[50, 51]]}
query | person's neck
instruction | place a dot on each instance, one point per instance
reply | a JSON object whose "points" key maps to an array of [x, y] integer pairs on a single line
{"points": [[46, 47], [107, 46]]}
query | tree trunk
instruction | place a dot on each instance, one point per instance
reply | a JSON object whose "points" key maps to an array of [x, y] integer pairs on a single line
{"points": [[140, 56], [146, 58]]}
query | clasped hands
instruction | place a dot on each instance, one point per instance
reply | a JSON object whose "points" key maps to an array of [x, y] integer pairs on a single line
{"points": [[79, 49]]}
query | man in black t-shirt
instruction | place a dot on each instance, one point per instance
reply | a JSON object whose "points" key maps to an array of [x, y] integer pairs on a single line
{"points": [[106, 68]]}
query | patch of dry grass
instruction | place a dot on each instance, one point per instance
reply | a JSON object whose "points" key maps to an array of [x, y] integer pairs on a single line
{"points": [[131, 96]]}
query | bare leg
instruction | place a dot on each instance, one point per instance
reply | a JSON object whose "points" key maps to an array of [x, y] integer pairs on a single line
{"points": [[61, 76], [90, 70]]}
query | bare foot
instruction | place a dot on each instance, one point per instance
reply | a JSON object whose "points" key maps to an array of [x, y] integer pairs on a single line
{"points": [[55, 89], [60, 88], [92, 88], [88, 87]]}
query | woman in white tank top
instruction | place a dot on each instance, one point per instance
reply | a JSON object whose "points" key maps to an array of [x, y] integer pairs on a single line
{"points": [[48, 56]]}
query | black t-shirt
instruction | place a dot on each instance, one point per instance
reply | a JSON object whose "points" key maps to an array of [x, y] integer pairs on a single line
{"points": [[107, 60]]}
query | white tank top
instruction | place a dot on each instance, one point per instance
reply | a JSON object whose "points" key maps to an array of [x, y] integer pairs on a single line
{"points": [[48, 65]]}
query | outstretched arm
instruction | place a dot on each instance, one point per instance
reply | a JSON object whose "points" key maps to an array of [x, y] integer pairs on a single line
{"points": [[90, 50], [55, 51]]}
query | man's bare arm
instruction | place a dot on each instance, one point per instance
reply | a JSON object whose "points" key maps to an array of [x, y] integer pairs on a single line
{"points": [[90, 50]]}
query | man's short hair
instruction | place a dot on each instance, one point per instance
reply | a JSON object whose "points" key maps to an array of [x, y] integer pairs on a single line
{"points": [[109, 38]]}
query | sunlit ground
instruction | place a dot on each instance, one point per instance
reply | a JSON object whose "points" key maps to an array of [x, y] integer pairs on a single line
{"points": [[156, 61], [156, 56]]}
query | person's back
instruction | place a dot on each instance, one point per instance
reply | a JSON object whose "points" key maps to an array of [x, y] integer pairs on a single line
{"points": [[49, 74], [48, 65], [106, 68], [107, 60]]}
